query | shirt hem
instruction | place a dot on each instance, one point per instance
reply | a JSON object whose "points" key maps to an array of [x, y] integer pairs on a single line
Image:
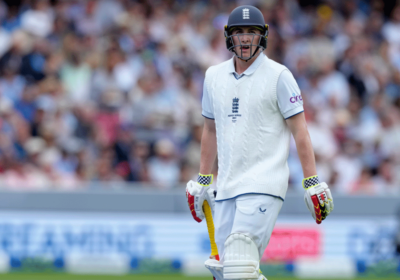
{"points": [[255, 188], [207, 117], [276, 196], [293, 112], [294, 115]]}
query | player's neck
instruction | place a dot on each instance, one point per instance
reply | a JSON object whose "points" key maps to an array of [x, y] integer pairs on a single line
{"points": [[241, 65]]}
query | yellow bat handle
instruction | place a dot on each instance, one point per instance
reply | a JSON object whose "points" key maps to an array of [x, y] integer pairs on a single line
{"points": [[210, 227]]}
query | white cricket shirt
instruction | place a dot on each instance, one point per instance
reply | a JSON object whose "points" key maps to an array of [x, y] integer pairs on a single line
{"points": [[252, 136]]}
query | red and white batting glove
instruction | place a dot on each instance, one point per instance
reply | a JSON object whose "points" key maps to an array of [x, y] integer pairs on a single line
{"points": [[318, 198], [197, 192]]}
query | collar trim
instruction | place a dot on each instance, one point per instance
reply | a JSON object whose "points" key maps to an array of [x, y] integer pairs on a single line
{"points": [[252, 68]]}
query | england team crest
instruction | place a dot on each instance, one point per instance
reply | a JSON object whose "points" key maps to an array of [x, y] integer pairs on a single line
{"points": [[235, 110], [246, 13]]}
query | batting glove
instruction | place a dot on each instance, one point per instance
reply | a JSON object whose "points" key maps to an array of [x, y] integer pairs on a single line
{"points": [[318, 198], [197, 192]]}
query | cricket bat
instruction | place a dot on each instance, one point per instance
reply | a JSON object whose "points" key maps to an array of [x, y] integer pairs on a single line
{"points": [[210, 227]]}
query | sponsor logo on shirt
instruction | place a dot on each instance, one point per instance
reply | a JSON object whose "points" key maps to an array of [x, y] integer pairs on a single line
{"points": [[235, 110], [295, 98]]}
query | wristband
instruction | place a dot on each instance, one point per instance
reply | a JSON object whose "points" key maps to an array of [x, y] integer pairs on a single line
{"points": [[205, 180], [310, 182]]}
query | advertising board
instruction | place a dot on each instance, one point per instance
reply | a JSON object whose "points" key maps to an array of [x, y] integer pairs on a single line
{"points": [[140, 243]]}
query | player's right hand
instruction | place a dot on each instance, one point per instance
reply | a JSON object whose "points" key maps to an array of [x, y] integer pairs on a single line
{"points": [[318, 198], [196, 194]]}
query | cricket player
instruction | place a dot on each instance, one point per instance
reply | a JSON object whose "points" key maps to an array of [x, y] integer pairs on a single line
{"points": [[251, 105]]}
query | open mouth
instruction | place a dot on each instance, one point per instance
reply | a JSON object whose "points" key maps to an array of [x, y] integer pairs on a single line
{"points": [[245, 47]]}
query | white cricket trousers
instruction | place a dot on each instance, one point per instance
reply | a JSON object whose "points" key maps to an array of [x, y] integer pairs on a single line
{"points": [[252, 214]]}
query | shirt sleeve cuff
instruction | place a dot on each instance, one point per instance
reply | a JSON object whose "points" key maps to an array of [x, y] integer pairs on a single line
{"points": [[207, 115], [293, 112]]}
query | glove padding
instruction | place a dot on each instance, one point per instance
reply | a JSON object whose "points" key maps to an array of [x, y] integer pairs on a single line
{"points": [[196, 194], [319, 201]]}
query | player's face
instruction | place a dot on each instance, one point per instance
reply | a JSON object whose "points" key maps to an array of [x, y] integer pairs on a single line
{"points": [[246, 39]]}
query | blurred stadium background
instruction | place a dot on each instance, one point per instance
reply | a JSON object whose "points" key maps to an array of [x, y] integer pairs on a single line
{"points": [[100, 126]]}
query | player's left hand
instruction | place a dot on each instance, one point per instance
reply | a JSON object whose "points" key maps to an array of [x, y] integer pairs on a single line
{"points": [[318, 198], [196, 194]]}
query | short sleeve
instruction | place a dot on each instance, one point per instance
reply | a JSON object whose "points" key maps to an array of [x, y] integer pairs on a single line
{"points": [[206, 103], [290, 101]]}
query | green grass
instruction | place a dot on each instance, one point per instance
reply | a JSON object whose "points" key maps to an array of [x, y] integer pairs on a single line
{"points": [[62, 276]]}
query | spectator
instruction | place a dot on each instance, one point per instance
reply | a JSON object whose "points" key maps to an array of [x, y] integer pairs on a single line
{"points": [[12, 85], [163, 167], [386, 179], [364, 184]]}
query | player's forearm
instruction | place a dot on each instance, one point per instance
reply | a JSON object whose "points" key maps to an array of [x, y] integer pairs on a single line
{"points": [[305, 152], [208, 150]]}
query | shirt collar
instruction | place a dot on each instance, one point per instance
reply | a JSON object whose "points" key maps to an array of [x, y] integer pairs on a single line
{"points": [[252, 67]]}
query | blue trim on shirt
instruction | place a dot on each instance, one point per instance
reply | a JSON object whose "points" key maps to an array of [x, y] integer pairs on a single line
{"points": [[250, 193], [252, 68], [207, 117], [294, 115], [238, 77]]}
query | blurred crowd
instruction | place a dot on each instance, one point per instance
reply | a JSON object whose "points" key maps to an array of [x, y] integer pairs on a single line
{"points": [[110, 91]]}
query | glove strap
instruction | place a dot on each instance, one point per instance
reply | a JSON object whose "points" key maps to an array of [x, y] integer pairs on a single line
{"points": [[205, 180], [310, 182]]}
